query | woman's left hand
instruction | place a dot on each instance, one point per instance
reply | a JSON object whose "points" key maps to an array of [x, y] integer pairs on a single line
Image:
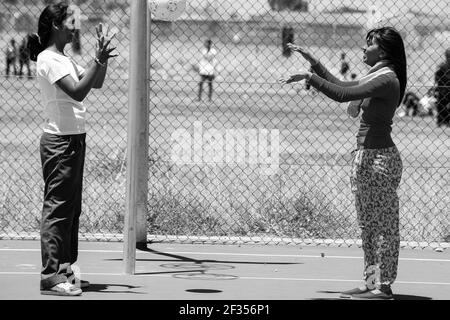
{"points": [[296, 77], [103, 42]]}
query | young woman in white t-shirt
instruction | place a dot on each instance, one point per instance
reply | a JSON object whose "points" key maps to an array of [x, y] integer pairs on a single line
{"points": [[64, 85], [206, 68]]}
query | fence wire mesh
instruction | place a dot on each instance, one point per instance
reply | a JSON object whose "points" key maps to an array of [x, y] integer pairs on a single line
{"points": [[250, 160]]}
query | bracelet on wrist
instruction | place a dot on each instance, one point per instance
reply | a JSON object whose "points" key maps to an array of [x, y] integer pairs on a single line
{"points": [[97, 61]]}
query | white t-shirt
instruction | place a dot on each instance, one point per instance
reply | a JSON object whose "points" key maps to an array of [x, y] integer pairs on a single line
{"points": [[63, 115], [207, 62]]}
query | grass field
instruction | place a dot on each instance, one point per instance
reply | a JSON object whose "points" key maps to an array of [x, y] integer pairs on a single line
{"points": [[309, 197]]}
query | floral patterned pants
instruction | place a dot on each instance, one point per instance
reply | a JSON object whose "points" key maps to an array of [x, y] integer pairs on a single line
{"points": [[376, 175]]}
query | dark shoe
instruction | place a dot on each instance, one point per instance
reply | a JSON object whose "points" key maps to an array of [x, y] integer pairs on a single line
{"points": [[349, 293], [378, 294], [62, 289]]}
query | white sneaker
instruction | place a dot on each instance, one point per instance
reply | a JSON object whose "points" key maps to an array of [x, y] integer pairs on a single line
{"points": [[63, 289]]}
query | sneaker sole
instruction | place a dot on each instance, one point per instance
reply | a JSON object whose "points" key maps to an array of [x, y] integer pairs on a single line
{"points": [[379, 298], [61, 293], [349, 295]]}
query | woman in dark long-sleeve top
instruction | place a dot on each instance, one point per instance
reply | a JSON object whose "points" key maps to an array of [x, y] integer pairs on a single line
{"points": [[377, 165]]}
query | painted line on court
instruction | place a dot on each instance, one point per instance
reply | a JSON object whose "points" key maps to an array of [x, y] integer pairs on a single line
{"points": [[239, 254], [242, 278], [298, 256], [340, 280]]}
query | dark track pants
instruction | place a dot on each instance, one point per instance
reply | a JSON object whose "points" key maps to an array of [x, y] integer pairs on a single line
{"points": [[62, 159]]}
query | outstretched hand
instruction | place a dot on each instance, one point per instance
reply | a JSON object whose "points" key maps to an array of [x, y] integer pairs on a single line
{"points": [[103, 42], [295, 77], [308, 56]]}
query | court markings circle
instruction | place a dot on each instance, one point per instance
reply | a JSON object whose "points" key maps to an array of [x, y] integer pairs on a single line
{"points": [[205, 276], [196, 266]]}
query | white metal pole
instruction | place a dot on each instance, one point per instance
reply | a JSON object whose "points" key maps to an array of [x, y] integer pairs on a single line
{"points": [[141, 234], [137, 142]]}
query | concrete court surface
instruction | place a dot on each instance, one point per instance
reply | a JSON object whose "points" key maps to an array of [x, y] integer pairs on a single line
{"points": [[167, 271]]}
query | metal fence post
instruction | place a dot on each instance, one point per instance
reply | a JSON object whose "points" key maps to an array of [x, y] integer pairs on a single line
{"points": [[137, 141]]}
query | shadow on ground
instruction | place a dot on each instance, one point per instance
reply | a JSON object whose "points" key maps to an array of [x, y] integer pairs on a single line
{"points": [[107, 288], [396, 296], [174, 258], [410, 297]]}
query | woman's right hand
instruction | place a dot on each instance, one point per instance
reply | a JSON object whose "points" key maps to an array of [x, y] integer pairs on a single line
{"points": [[308, 56], [296, 77], [103, 41]]}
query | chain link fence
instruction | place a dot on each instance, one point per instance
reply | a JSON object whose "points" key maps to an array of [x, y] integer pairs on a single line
{"points": [[250, 160]]}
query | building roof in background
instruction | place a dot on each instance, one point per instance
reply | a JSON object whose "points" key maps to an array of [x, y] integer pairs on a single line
{"points": [[259, 10], [428, 7], [227, 9]]}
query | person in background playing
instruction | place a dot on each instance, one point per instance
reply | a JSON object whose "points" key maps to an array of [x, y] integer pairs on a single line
{"points": [[64, 85], [377, 165], [207, 67], [11, 57], [428, 103], [24, 56]]}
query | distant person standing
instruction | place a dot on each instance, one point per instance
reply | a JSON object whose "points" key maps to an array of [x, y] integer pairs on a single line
{"points": [[207, 68], [345, 67], [428, 103], [442, 80], [11, 57], [287, 36], [24, 56]]}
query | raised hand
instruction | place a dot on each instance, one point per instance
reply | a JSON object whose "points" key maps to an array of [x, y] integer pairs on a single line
{"points": [[103, 41], [308, 56]]}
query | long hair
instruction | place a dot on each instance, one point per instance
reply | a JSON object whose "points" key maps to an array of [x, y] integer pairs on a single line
{"points": [[391, 42], [52, 14]]}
